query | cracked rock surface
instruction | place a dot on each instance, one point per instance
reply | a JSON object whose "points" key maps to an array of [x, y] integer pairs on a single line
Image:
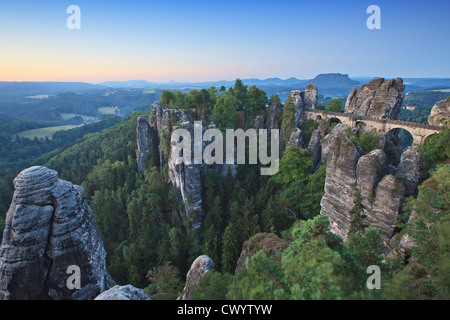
{"points": [[49, 227]]}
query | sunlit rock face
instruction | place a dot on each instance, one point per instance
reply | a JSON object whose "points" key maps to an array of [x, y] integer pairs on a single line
{"points": [[378, 98], [439, 113], [199, 268]]}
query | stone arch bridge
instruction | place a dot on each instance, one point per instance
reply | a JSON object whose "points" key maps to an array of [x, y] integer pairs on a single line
{"points": [[419, 131]]}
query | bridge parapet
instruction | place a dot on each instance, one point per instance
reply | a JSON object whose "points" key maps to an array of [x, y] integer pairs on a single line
{"points": [[366, 118]]}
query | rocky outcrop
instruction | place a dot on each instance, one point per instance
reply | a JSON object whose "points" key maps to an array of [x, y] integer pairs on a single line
{"points": [[315, 148], [439, 113], [273, 116], [371, 168], [310, 96], [295, 139], [410, 171], [306, 99], [128, 292], [340, 183], [297, 98], [48, 228], [368, 181], [199, 268], [147, 143], [378, 98], [270, 243], [386, 206]]}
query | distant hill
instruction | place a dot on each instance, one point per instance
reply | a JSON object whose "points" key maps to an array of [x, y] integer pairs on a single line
{"points": [[33, 88]]}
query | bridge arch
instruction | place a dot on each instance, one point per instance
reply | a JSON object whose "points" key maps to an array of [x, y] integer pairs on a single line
{"points": [[403, 137], [331, 122]]}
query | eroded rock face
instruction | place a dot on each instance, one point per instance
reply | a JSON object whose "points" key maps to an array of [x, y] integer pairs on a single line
{"points": [[310, 96], [127, 292], [340, 183], [378, 98], [380, 187], [315, 148], [410, 171], [295, 138], [48, 228], [440, 111], [147, 142], [387, 204], [273, 117], [199, 268], [306, 99]]}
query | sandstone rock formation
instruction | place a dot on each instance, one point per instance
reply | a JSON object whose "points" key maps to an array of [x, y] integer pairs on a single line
{"points": [[386, 206], [306, 99], [369, 179], [127, 292], [410, 171], [310, 97], [273, 116], [378, 98], [48, 228], [295, 138], [315, 148], [440, 112], [270, 243], [340, 183], [147, 142], [199, 268]]}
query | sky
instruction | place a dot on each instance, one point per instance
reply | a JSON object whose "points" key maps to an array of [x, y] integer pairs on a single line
{"points": [[199, 40]]}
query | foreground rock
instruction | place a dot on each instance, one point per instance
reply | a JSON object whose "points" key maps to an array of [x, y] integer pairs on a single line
{"points": [[199, 268], [48, 228], [128, 292]]}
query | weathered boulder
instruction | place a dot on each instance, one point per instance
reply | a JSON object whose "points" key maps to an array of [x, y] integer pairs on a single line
{"points": [[48, 228], [127, 292], [147, 143], [199, 268], [439, 113], [378, 98]]}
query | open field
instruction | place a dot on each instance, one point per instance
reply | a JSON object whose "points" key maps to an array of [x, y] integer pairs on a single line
{"points": [[443, 90], [67, 116], [43, 132], [106, 110]]}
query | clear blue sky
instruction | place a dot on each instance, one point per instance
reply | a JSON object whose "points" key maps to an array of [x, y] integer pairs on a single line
{"points": [[199, 40]]}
